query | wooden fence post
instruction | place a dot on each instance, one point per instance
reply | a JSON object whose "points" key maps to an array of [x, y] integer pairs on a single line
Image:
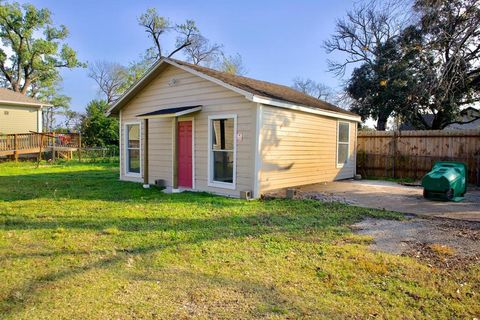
{"points": [[478, 170], [53, 146], [40, 145], [15, 147], [79, 146], [394, 159]]}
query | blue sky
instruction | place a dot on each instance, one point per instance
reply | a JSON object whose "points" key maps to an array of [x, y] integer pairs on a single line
{"points": [[278, 40]]}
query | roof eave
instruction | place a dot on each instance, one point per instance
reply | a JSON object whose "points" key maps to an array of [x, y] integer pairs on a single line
{"points": [[305, 108], [118, 104], [121, 101], [248, 95], [25, 104]]}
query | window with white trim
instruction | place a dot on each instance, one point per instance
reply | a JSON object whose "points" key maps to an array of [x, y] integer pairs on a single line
{"points": [[343, 143], [133, 162], [222, 151]]}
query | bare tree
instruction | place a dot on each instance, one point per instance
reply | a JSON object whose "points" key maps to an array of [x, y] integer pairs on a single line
{"points": [[313, 88], [201, 51], [73, 120], [365, 29], [110, 77]]}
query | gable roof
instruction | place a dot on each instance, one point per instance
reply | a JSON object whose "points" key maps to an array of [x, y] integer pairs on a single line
{"points": [[254, 90], [8, 96]]}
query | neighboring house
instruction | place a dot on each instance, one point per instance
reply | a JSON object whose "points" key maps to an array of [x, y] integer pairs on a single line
{"points": [[469, 119], [19, 113], [199, 129], [406, 126]]}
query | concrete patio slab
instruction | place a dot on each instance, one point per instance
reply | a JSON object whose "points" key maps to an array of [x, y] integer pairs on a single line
{"points": [[395, 197]]}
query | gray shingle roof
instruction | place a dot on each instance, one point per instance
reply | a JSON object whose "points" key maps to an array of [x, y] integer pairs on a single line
{"points": [[266, 89], [258, 88], [10, 96]]}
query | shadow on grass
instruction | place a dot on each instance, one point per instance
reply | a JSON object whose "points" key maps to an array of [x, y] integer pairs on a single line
{"points": [[280, 217], [196, 231], [210, 218], [101, 185]]}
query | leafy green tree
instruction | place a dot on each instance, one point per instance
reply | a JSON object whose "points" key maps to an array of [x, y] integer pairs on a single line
{"points": [[446, 46], [427, 64], [384, 88], [60, 103], [232, 64], [156, 26], [367, 39], [33, 48], [98, 129], [189, 41]]}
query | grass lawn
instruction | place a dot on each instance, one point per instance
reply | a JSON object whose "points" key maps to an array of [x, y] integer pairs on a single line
{"points": [[76, 243]]}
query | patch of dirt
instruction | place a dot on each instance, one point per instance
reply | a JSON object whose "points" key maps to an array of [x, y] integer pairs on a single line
{"points": [[442, 243], [427, 253], [320, 196]]}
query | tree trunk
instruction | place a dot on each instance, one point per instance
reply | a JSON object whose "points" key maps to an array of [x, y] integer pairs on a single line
{"points": [[382, 123], [439, 122]]}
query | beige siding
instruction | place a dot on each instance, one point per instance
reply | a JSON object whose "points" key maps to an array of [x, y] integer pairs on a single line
{"points": [[216, 100], [299, 148], [18, 119]]}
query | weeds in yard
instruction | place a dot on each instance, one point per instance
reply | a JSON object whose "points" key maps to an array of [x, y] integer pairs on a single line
{"points": [[442, 250], [111, 231]]}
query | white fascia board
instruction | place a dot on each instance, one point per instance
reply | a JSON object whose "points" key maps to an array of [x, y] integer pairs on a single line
{"points": [[25, 104], [247, 94], [287, 105], [170, 115]]}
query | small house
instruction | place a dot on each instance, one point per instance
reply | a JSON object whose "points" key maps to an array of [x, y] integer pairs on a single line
{"points": [[19, 113], [189, 127]]}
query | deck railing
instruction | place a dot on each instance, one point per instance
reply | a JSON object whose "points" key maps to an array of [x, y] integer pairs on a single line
{"points": [[35, 142]]}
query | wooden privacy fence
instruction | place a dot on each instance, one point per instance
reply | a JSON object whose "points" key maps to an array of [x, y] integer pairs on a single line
{"points": [[411, 154]]}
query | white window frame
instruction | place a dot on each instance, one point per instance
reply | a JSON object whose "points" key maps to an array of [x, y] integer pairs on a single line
{"points": [[340, 165], [211, 182], [125, 130]]}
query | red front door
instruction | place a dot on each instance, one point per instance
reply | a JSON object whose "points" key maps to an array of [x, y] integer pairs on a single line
{"points": [[185, 154]]}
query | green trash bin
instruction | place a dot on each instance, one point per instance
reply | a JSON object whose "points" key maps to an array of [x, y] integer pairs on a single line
{"points": [[446, 181]]}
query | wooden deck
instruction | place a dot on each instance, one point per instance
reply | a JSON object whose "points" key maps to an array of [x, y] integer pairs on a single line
{"points": [[37, 143]]}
